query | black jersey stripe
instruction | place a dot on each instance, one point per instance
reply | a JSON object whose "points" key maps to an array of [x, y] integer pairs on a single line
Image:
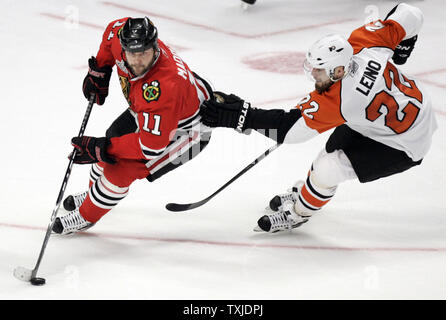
{"points": [[151, 153], [183, 123]]}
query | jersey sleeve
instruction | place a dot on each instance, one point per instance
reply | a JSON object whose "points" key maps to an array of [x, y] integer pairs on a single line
{"points": [[104, 56], [322, 112], [403, 23], [410, 18], [299, 132], [157, 126], [387, 34]]}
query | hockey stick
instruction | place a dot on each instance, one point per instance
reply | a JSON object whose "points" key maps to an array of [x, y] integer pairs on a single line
{"points": [[28, 275], [176, 207]]}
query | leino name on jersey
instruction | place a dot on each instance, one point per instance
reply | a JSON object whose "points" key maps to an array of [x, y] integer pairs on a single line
{"points": [[369, 77]]}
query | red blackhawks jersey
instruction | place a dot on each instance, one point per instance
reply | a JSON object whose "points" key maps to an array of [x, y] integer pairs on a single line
{"points": [[166, 97], [375, 99]]}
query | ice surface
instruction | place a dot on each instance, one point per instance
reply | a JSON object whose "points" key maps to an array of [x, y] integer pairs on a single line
{"points": [[382, 240]]}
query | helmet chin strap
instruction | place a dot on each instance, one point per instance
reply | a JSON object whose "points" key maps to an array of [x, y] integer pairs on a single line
{"points": [[155, 58], [332, 78], [347, 70]]}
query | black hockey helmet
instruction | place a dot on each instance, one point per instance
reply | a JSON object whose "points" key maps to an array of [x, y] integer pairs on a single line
{"points": [[138, 34]]}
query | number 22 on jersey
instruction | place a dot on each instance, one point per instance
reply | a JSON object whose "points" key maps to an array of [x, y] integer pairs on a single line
{"points": [[384, 98]]}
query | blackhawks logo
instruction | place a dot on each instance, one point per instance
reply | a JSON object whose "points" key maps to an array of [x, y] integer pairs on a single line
{"points": [[125, 86], [151, 92]]}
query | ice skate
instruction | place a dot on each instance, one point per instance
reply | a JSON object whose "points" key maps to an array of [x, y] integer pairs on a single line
{"points": [[72, 222], [74, 201], [283, 219], [276, 203]]}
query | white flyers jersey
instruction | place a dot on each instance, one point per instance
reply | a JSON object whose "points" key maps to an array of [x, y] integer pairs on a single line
{"points": [[375, 98]]}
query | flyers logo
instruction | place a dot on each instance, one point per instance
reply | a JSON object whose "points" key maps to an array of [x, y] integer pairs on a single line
{"points": [[151, 92]]}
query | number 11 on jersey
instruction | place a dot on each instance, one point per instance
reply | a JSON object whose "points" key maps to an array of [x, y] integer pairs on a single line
{"points": [[156, 128]]}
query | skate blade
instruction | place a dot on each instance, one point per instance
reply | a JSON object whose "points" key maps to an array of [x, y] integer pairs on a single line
{"points": [[74, 232], [257, 229]]}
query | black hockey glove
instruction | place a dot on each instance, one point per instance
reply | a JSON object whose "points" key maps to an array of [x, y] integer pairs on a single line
{"points": [[403, 50], [91, 150], [96, 81], [227, 111]]}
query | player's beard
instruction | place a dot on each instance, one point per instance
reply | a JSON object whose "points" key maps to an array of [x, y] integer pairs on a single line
{"points": [[323, 86], [139, 69]]}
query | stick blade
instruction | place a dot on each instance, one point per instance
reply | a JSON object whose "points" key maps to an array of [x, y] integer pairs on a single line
{"points": [[178, 207], [23, 274]]}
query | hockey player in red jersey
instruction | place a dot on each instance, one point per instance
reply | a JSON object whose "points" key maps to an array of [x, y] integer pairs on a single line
{"points": [[383, 119], [160, 130]]}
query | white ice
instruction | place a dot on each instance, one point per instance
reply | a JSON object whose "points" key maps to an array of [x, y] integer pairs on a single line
{"points": [[382, 240]]}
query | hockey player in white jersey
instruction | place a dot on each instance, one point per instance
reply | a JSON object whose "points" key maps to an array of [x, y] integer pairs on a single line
{"points": [[383, 119]]}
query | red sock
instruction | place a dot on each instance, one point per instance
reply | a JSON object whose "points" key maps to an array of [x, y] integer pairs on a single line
{"points": [[97, 170], [101, 198]]}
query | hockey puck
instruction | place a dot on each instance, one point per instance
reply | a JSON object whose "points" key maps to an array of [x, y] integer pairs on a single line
{"points": [[37, 281]]}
